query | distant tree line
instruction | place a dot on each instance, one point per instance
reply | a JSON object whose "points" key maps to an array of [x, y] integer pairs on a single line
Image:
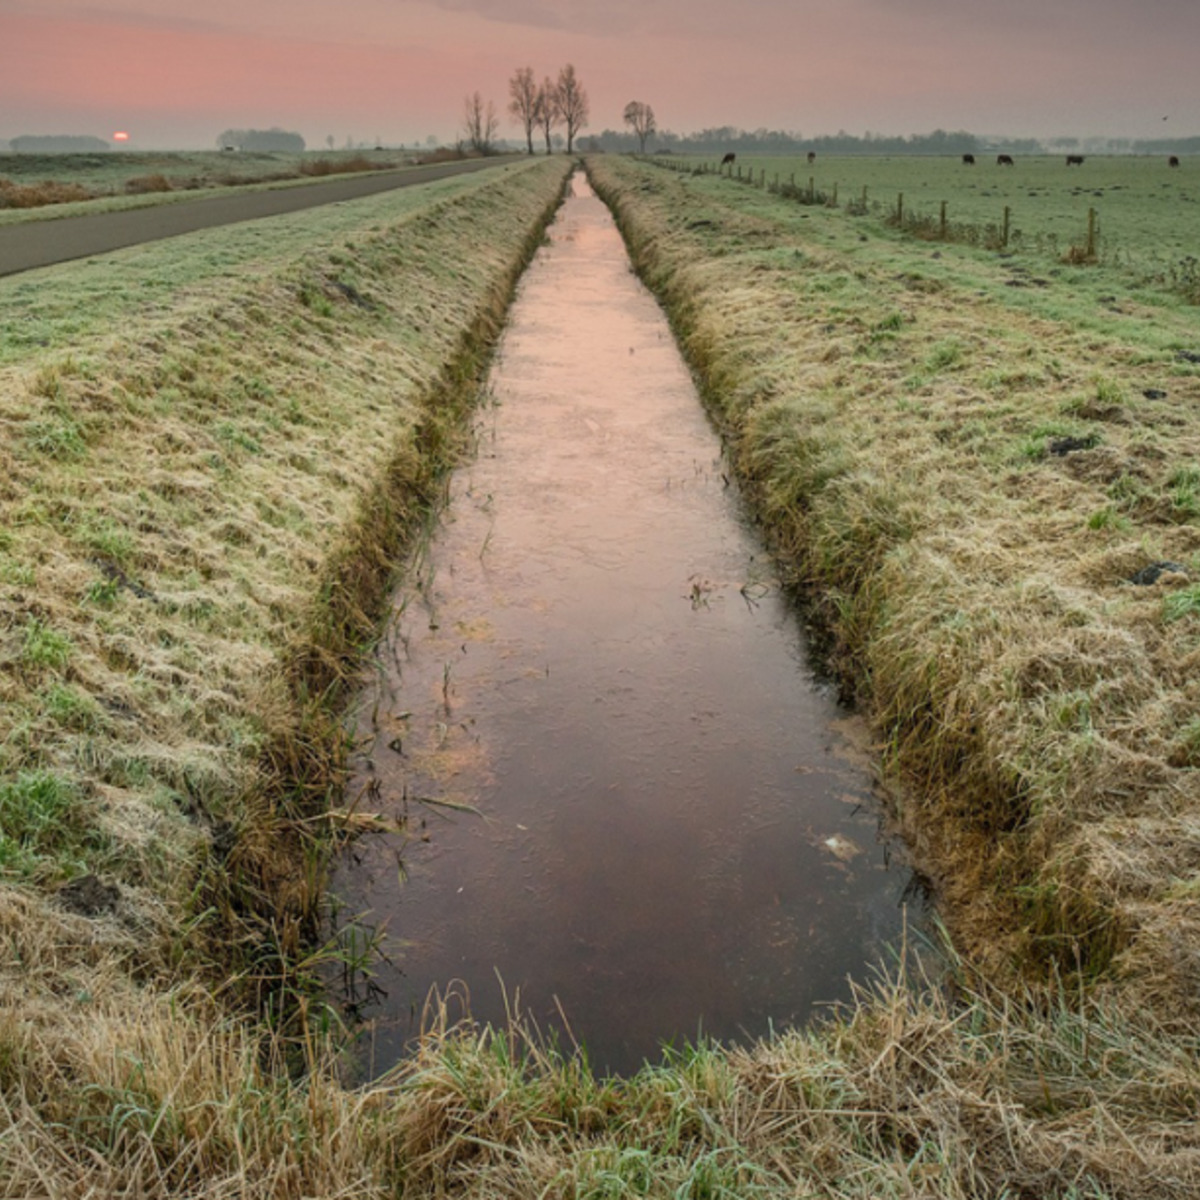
{"points": [[726, 138], [268, 140], [722, 139], [57, 144]]}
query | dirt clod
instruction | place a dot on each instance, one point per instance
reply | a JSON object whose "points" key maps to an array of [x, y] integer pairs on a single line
{"points": [[89, 896], [1151, 573]]}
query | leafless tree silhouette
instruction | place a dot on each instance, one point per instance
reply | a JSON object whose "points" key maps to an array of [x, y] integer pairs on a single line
{"points": [[640, 118], [523, 102], [479, 123], [572, 103], [547, 109]]}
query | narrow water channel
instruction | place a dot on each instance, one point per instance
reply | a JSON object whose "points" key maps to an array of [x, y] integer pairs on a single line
{"points": [[672, 834]]}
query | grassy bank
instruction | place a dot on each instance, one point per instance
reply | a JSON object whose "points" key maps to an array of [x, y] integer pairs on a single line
{"points": [[79, 303], [971, 488], [200, 515]]}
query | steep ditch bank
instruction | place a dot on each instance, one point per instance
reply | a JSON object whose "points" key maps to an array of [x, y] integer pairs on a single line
{"points": [[976, 581], [200, 522]]}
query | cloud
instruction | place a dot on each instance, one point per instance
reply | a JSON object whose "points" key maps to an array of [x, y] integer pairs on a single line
{"points": [[605, 18], [143, 15]]}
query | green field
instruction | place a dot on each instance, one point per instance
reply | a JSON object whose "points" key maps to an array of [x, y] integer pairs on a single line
{"points": [[185, 169], [1148, 212]]}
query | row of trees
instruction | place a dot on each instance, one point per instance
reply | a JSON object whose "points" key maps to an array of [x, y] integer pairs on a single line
{"points": [[541, 107], [722, 139], [32, 143], [267, 140]]}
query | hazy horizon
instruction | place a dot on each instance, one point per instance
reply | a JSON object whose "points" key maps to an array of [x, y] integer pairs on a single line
{"points": [[397, 70]]}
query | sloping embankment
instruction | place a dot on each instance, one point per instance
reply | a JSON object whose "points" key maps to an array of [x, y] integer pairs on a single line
{"points": [[970, 490], [199, 522]]}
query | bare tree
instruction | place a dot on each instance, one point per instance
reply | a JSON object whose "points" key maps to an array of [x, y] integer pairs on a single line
{"points": [[523, 102], [572, 103], [640, 118], [479, 123], [547, 109]]}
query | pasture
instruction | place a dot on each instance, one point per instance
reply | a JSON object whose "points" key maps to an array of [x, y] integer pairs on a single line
{"points": [[1148, 212], [110, 172]]}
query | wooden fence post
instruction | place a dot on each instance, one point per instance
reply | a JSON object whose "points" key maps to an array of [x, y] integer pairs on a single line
{"points": [[1007, 218], [942, 231]]}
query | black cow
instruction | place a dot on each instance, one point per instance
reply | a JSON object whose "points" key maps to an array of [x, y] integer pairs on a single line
{"points": [[969, 159], [728, 159], [1074, 160], [812, 157], [1172, 161], [1004, 160]]}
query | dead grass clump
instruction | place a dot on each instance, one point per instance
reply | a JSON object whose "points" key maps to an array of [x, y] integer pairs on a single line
{"points": [[340, 166], [141, 185], [913, 1090], [442, 154], [34, 195]]}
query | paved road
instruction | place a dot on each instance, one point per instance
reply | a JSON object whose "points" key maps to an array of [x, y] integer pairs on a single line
{"points": [[43, 243]]}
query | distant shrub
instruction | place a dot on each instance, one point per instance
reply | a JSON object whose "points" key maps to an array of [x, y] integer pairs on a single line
{"points": [[34, 195], [56, 144], [142, 184], [268, 140], [345, 166], [443, 154]]}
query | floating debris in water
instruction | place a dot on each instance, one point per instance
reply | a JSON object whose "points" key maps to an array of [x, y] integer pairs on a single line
{"points": [[842, 848]]}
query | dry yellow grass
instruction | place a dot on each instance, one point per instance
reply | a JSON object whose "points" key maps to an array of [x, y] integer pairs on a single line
{"points": [[198, 523], [915, 1094], [192, 574]]}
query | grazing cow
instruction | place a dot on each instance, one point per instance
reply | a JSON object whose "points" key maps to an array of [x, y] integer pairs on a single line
{"points": [[812, 157], [1172, 161], [728, 159], [1004, 160], [1074, 160], [969, 159]]}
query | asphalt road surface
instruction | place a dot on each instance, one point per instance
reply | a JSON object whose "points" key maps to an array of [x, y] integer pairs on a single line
{"points": [[42, 243]]}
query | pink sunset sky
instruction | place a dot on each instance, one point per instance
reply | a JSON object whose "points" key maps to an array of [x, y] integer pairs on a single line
{"points": [[177, 72]]}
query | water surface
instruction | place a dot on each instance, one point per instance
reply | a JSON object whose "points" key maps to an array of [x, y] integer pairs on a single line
{"points": [[677, 835]]}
